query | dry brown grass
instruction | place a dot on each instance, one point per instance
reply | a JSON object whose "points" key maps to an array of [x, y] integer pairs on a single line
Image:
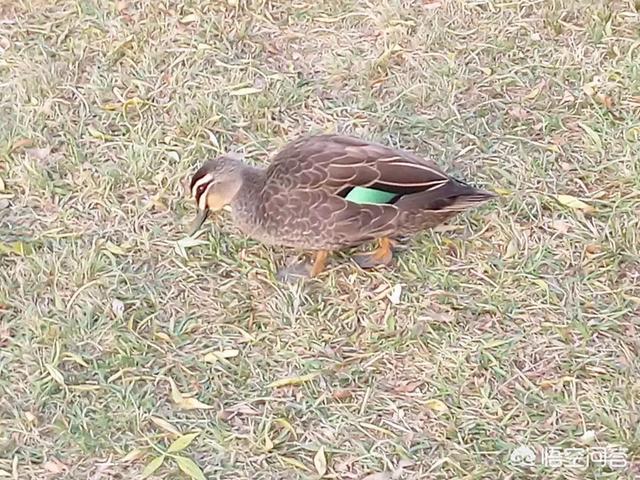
{"points": [[517, 325]]}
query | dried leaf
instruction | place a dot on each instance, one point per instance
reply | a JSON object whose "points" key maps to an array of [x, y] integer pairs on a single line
{"points": [[190, 467], [115, 249], [512, 248], [15, 248], [592, 134], [244, 91], [133, 455], [21, 144], [213, 357], [98, 134], [283, 382], [185, 402], [3, 187], [567, 97], [152, 466], [605, 100], [394, 296], [518, 113], [117, 307], [55, 374], [574, 203], [587, 438], [436, 405], [320, 462], [182, 442], [191, 18], [407, 387], [38, 153], [342, 394], [378, 476], [54, 466], [593, 248], [502, 191], [535, 91], [164, 425], [294, 463], [589, 89]]}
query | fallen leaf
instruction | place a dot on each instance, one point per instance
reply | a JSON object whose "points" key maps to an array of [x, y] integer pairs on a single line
{"points": [[341, 394], [55, 374], [293, 462], [54, 466], [502, 191], [186, 402], [189, 18], [320, 462], [121, 5], [518, 113], [574, 203], [561, 226], [98, 134], [3, 187], [213, 357], [190, 467], [182, 442], [408, 387], [378, 476], [30, 418], [133, 455], [268, 444], [283, 382], [431, 4], [587, 438], [535, 91], [16, 248], [436, 405], [605, 100], [589, 89], [486, 70], [115, 249], [38, 153], [394, 296], [567, 97], [165, 425], [21, 144], [152, 466], [592, 134], [244, 91], [593, 248], [117, 307], [512, 248]]}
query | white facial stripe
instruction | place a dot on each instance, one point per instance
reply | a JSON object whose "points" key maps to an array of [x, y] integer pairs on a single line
{"points": [[202, 203], [206, 179]]}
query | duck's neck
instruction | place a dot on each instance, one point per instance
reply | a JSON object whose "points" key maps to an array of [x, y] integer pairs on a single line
{"points": [[247, 201]]}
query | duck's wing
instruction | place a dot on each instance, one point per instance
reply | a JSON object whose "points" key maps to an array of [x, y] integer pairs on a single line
{"points": [[337, 164]]}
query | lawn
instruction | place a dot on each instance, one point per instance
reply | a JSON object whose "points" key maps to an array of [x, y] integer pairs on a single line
{"points": [[515, 324]]}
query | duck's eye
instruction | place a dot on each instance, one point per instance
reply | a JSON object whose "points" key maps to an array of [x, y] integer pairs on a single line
{"points": [[201, 189]]}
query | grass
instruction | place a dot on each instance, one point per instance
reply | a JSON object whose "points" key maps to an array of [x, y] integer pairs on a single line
{"points": [[516, 324]]}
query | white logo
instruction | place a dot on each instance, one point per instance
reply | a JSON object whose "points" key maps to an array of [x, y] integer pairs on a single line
{"points": [[523, 456]]}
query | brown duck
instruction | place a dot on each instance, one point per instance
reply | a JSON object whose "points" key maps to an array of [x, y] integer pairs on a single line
{"points": [[330, 192]]}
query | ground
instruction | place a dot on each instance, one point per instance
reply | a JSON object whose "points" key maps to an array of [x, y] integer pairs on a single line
{"points": [[515, 324]]}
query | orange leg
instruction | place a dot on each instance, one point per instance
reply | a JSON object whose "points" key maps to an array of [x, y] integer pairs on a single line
{"points": [[380, 256], [319, 263]]}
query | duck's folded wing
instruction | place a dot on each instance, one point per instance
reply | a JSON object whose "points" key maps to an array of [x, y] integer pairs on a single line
{"points": [[337, 164], [319, 214]]}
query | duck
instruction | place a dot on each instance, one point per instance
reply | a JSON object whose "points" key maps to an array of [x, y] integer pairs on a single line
{"points": [[325, 193]]}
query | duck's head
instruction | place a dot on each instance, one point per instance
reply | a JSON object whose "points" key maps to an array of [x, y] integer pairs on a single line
{"points": [[214, 185]]}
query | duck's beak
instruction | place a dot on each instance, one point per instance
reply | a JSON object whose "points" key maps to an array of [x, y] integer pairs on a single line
{"points": [[198, 221]]}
